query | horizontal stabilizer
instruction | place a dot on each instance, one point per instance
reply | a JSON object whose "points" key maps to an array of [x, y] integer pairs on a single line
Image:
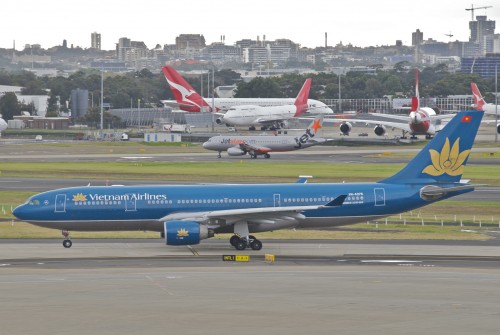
{"points": [[338, 201], [432, 192]]}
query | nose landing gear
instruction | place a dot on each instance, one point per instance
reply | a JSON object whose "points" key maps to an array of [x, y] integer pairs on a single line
{"points": [[67, 239]]}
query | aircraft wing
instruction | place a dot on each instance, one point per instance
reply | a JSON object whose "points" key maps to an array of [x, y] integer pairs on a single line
{"points": [[390, 124], [231, 216], [403, 118], [171, 103], [270, 119]]}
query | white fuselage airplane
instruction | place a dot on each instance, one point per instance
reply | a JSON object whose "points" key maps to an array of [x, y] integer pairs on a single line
{"points": [[421, 121], [254, 145], [187, 99]]}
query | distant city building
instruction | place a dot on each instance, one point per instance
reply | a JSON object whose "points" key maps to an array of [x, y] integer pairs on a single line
{"points": [[112, 65], [484, 66], [417, 37], [242, 44], [131, 51], [190, 41], [122, 47], [221, 52], [480, 30], [274, 54], [95, 41]]}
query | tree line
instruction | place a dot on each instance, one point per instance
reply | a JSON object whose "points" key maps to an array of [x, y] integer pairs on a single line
{"points": [[125, 90]]}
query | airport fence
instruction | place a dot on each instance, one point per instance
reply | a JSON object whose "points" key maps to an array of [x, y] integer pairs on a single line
{"points": [[423, 218]]}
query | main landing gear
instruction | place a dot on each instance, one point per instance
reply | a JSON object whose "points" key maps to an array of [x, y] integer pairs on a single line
{"points": [[241, 243], [67, 239]]}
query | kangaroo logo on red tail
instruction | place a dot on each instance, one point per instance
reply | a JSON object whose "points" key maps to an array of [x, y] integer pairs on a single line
{"points": [[188, 99], [478, 98]]}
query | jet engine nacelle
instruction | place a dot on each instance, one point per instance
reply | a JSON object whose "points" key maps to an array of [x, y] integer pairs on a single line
{"points": [[236, 152], [219, 120], [178, 232], [379, 130], [345, 128]]}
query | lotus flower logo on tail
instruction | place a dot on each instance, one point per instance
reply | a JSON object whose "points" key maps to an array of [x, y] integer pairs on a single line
{"points": [[449, 161]]}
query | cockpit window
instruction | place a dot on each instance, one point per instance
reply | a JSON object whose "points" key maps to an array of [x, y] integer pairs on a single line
{"points": [[34, 202]]}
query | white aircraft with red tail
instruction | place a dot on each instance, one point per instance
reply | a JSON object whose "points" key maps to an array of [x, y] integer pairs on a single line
{"points": [[421, 121]]}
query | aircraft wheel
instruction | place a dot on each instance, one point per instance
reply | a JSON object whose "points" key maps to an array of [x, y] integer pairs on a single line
{"points": [[267, 156], [240, 244], [234, 239], [253, 156], [256, 245], [67, 243]]}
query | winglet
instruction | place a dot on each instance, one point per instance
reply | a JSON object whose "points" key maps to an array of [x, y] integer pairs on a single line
{"points": [[478, 98], [302, 97], [188, 99], [303, 179], [338, 201]]}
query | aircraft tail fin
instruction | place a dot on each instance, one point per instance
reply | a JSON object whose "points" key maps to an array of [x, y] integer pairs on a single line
{"points": [[314, 126], [415, 100], [443, 159], [478, 98], [188, 99], [302, 97]]}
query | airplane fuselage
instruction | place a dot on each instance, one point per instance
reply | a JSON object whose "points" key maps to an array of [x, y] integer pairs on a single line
{"points": [[274, 143], [112, 208], [252, 115], [224, 104]]}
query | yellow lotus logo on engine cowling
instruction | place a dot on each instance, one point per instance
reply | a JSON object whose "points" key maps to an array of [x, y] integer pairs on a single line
{"points": [[79, 197], [448, 161], [182, 233]]}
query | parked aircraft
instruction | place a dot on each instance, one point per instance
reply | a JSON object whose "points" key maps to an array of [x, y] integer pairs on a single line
{"points": [[186, 214], [187, 99], [3, 125], [480, 104], [421, 121], [239, 145], [273, 117]]}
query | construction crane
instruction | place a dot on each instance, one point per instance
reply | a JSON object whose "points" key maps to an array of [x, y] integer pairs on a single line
{"points": [[472, 8]]}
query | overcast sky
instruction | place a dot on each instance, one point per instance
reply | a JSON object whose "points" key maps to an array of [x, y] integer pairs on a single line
{"points": [[360, 22]]}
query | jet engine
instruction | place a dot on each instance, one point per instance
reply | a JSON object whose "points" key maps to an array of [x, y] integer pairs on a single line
{"points": [[235, 151], [345, 128], [220, 120], [379, 130], [178, 232]]}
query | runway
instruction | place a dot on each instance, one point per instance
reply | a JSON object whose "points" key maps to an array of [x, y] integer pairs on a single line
{"points": [[317, 287], [324, 154]]}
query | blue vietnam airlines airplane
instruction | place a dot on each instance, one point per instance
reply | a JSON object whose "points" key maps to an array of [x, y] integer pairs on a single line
{"points": [[186, 214]]}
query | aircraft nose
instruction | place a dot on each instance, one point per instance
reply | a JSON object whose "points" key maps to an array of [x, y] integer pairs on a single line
{"points": [[205, 145], [415, 117], [18, 211]]}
